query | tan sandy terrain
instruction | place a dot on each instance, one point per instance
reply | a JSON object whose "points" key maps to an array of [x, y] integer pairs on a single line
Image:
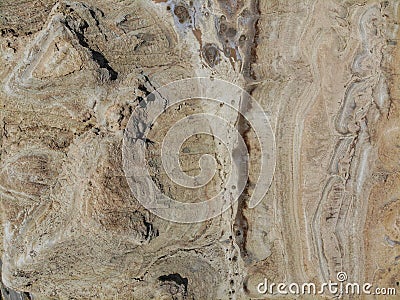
{"points": [[79, 82]]}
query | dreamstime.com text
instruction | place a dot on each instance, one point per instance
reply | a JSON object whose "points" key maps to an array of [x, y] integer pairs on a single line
{"points": [[339, 288]]}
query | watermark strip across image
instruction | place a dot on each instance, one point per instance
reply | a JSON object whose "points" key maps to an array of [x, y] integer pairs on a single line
{"points": [[338, 289]]}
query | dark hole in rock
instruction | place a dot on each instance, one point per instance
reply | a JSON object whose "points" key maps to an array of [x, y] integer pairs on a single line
{"points": [[211, 55], [231, 32], [182, 13], [222, 28], [177, 278]]}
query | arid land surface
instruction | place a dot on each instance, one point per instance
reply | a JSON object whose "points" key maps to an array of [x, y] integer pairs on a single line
{"points": [[326, 73]]}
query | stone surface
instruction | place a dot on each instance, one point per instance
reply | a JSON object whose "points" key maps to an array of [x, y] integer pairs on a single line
{"points": [[325, 72]]}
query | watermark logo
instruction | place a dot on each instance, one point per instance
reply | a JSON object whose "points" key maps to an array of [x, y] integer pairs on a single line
{"points": [[217, 123], [337, 289], [341, 276]]}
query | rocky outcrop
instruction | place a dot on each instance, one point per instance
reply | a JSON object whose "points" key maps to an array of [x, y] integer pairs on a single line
{"points": [[74, 75]]}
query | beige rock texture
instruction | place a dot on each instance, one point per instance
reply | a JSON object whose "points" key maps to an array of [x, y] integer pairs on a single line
{"points": [[73, 73]]}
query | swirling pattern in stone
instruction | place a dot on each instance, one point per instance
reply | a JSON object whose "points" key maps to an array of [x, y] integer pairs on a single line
{"points": [[142, 119]]}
